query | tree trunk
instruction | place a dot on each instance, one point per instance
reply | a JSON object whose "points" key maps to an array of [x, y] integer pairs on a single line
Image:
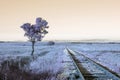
{"points": [[33, 43]]}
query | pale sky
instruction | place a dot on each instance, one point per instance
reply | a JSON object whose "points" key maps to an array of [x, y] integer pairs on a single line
{"points": [[68, 19]]}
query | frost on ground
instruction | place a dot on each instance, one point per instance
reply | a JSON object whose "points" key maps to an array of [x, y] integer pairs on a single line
{"points": [[50, 62], [46, 64], [107, 54]]}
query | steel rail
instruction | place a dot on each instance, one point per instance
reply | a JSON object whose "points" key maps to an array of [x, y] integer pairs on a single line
{"points": [[107, 73], [101, 67], [76, 66]]}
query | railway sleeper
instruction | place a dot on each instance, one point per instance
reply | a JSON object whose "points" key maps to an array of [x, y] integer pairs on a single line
{"points": [[74, 76]]}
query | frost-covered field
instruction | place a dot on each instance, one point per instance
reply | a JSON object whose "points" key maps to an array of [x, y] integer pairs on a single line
{"points": [[48, 61], [51, 60]]}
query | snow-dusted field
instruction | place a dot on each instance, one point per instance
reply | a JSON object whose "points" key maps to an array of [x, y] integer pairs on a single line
{"points": [[53, 59]]}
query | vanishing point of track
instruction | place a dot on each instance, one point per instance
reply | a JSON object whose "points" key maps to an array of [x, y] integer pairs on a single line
{"points": [[87, 69]]}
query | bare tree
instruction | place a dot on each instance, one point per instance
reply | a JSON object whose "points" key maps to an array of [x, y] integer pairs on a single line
{"points": [[35, 32]]}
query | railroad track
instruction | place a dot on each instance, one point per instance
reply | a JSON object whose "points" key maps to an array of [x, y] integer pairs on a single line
{"points": [[87, 69]]}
